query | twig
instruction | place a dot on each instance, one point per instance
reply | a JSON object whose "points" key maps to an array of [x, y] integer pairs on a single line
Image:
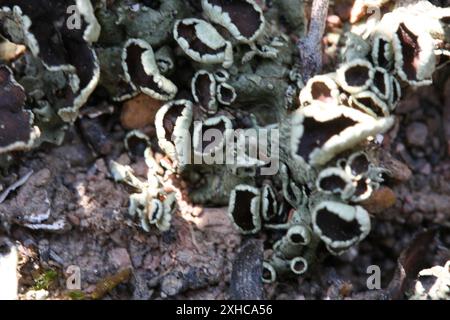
{"points": [[311, 46]]}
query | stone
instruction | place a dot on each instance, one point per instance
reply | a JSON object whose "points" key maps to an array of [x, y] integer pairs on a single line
{"points": [[120, 258]]}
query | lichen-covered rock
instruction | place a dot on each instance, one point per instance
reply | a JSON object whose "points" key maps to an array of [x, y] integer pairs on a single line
{"points": [[237, 124]]}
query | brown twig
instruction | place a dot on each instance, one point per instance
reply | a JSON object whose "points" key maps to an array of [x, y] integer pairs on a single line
{"points": [[311, 46]]}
